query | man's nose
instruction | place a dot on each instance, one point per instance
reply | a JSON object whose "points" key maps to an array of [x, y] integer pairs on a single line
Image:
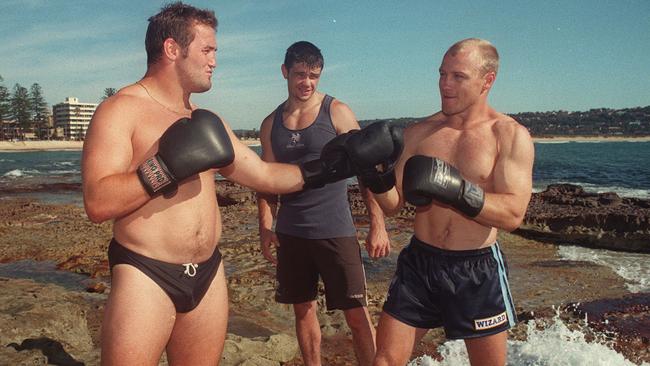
{"points": [[444, 82]]}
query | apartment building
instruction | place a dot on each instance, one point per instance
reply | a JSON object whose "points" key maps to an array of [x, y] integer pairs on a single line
{"points": [[72, 117]]}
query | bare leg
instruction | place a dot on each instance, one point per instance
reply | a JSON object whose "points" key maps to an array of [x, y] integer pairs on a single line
{"points": [[308, 332], [394, 341], [489, 351], [363, 334], [198, 336], [138, 319]]}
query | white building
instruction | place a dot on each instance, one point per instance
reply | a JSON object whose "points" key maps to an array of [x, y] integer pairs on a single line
{"points": [[73, 117]]}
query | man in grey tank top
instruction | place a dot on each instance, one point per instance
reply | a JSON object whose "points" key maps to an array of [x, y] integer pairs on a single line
{"points": [[316, 235]]}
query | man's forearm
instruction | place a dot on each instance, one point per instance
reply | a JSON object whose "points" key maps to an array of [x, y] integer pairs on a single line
{"points": [[389, 202], [375, 212], [267, 208], [503, 211], [114, 196]]}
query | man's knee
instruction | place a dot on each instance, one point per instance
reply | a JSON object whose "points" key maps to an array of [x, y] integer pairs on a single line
{"points": [[357, 318], [385, 359], [305, 309]]}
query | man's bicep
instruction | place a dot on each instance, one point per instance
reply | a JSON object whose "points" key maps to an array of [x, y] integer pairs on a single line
{"points": [[265, 140], [514, 170], [343, 118], [107, 148]]}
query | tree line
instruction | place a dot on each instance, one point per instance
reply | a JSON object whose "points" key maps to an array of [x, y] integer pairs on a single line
{"points": [[22, 109], [594, 122], [25, 111]]}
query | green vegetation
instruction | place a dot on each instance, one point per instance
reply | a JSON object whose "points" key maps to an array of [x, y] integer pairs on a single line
{"points": [[626, 122]]}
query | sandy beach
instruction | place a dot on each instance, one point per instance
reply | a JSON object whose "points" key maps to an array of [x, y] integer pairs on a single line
{"points": [[41, 145], [559, 139]]}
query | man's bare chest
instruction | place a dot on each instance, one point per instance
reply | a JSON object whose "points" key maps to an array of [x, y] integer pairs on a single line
{"points": [[473, 156]]}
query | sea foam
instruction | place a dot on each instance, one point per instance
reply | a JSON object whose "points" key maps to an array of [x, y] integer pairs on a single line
{"points": [[548, 343]]}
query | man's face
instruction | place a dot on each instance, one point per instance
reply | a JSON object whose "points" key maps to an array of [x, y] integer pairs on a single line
{"points": [[460, 83], [199, 60], [302, 80]]}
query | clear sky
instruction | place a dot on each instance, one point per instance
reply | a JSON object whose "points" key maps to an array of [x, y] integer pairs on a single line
{"points": [[381, 57]]}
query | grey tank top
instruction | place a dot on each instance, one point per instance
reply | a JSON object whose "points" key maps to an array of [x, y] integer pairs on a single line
{"points": [[319, 213]]}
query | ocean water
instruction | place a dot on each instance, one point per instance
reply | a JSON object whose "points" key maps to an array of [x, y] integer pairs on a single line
{"points": [[620, 167]]}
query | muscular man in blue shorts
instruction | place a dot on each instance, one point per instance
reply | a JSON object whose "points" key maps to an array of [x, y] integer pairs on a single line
{"points": [[315, 232], [468, 171]]}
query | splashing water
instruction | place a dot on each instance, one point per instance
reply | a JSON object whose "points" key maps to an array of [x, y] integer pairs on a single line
{"points": [[633, 267], [549, 343]]}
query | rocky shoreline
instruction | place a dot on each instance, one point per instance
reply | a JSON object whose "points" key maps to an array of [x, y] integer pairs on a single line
{"points": [[566, 213], [41, 320]]}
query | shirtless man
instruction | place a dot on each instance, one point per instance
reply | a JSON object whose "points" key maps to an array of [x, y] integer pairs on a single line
{"points": [[468, 171], [149, 163], [316, 235]]}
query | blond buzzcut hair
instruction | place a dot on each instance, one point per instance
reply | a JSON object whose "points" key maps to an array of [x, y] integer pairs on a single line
{"points": [[487, 54]]}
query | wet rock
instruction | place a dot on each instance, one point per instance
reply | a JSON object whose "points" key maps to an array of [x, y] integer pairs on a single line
{"points": [[626, 318], [53, 350], [274, 350], [229, 193], [565, 213], [97, 287], [45, 322]]}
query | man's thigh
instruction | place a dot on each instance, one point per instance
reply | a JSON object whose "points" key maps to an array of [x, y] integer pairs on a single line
{"points": [[341, 268], [490, 350], [138, 319], [395, 341], [199, 335]]}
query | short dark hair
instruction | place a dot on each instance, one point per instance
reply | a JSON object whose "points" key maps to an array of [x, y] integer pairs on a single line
{"points": [[303, 52], [175, 21]]}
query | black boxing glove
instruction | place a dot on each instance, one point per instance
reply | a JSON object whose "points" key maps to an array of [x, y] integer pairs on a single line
{"points": [[426, 179], [189, 146], [332, 166], [378, 144]]}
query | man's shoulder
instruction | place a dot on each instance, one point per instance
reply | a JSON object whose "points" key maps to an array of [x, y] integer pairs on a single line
{"points": [[267, 122], [508, 131], [124, 106], [508, 125], [342, 116], [338, 105], [125, 99]]}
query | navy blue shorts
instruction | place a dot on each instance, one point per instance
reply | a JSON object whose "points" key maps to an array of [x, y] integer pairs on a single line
{"points": [[466, 291]]}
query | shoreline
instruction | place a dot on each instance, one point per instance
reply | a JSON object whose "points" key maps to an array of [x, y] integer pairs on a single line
{"points": [[558, 139], [45, 145], [59, 145]]}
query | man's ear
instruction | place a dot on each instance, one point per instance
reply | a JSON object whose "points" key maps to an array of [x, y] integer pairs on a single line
{"points": [[171, 49], [489, 79], [285, 72]]}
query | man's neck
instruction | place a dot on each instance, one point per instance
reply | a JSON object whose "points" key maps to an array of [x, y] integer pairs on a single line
{"points": [[468, 118], [166, 89]]}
